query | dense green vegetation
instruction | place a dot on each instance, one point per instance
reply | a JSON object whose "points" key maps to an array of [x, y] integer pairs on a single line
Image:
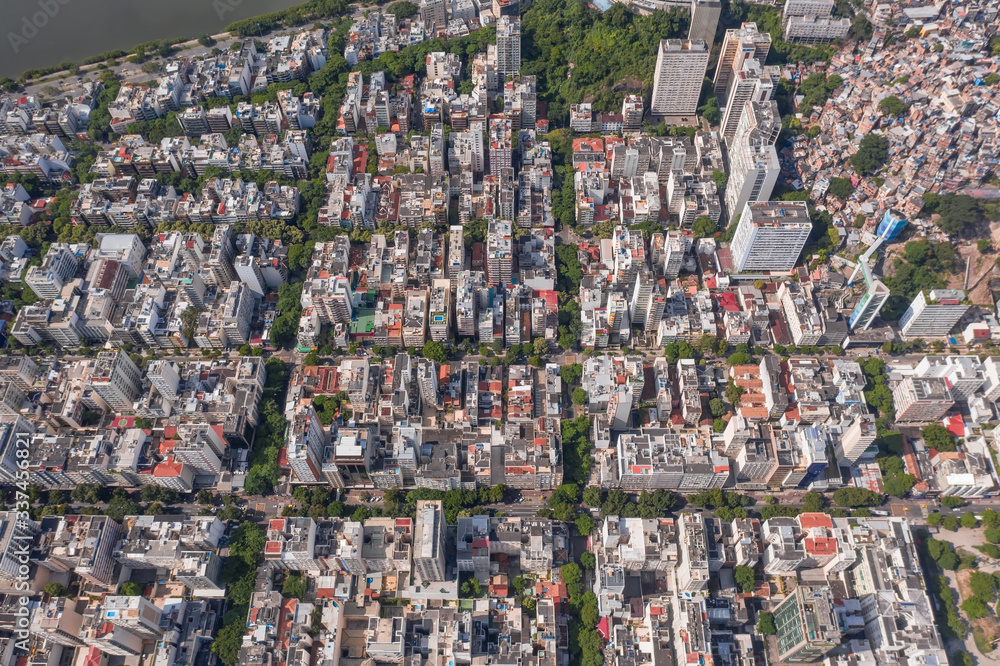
{"points": [[892, 106], [744, 578], [270, 438], [312, 10], [923, 266], [872, 154], [576, 449], [765, 624], [816, 89], [403, 9], [956, 212], [851, 497], [577, 52], [456, 502], [895, 480], [585, 644], [617, 503], [238, 573], [286, 325], [937, 437], [840, 187], [294, 587]]}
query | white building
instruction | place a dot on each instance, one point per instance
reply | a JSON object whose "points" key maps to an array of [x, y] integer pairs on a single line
{"points": [[753, 159], [754, 83], [933, 314], [680, 70], [738, 46], [770, 237], [117, 380], [428, 542]]}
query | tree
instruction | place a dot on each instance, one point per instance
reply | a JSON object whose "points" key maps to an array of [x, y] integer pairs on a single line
{"points": [[587, 560], [943, 553], [312, 358], [974, 608], [189, 320], [580, 396], [812, 502], [131, 589], [403, 9], [55, 590], [472, 588], [435, 351], [961, 658], [950, 523], [952, 502], [873, 151], [957, 212], [584, 524], [571, 373], [899, 485], [892, 106], [765, 624], [716, 407], [969, 521], [739, 358], [719, 425], [934, 519], [984, 586], [704, 227], [710, 111], [121, 505], [733, 392], [570, 573], [744, 577], [840, 188], [593, 496], [229, 640], [294, 587], [853, 497], [937, 437], [720, 179]]}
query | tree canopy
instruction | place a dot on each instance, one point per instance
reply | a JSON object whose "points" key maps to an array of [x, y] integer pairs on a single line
{"points": [[403, 9], [872, 154], [937, 437], [555, 33], [840, 187], [892, 106]]}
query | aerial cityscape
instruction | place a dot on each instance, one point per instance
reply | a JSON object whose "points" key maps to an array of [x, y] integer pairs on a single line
{"points": [[514, 333]]}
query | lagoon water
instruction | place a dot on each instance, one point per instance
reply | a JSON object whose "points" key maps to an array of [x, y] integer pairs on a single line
{"points": [[39, 33]]}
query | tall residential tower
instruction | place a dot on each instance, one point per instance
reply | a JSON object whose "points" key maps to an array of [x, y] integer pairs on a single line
{"points": [[680, 69]]}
